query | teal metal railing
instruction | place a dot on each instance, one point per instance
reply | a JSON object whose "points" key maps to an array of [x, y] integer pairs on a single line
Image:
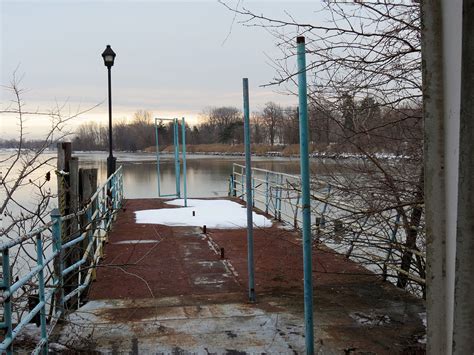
{"points": [[97, 217], [177, 165], [339, 219]]}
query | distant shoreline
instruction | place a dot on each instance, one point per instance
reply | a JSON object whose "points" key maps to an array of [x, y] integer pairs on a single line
{"points": [[259, 150]]}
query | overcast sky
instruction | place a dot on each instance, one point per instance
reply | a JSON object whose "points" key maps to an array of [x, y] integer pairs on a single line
{"points": [[173, 57]]}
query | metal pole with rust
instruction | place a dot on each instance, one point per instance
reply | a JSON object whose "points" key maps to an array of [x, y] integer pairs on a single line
{"points": [[248, 186], [305, 198]]}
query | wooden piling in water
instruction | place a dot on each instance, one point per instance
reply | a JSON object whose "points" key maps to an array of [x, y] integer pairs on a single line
{"points": [[87, 187], [66, 183]]}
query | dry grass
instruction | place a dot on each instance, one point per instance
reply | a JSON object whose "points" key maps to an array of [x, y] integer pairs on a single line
{"points": [[257, 149]]}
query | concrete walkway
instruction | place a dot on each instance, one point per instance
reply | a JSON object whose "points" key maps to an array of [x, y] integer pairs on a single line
{"points": [[167, 290]]}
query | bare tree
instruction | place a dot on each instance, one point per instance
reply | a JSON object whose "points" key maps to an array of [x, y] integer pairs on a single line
{"points": [[272, 115], [27, 182], [365, 59], [225, 122]]}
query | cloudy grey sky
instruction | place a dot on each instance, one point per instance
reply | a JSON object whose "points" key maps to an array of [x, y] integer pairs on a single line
{"points": [[171, 56]]}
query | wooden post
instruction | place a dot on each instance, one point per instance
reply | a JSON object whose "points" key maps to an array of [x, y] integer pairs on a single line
{"points": [[74, 254], [64, 206], [87, 187]]}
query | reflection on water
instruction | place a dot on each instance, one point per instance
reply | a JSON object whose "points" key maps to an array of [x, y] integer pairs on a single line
{"points": [[207, 176]]}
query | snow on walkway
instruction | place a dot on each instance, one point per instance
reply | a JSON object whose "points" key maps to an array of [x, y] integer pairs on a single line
{"points": [[221, 214]]}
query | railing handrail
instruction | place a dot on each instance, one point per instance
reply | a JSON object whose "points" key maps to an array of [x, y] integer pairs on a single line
{"points": [[333, 209], [30, 235], [296, 177], [292, 176], [97, 226]]}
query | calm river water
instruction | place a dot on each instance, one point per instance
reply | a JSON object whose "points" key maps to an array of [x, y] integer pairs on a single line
{"points": [[207, 175]]}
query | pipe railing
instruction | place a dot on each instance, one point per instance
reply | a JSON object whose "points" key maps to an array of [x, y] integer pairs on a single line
{"points": [[335, 220], [99, 214]]}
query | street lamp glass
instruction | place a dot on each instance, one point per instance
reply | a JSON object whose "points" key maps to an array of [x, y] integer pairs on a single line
{"points": [[109, 56], [109, 59]]}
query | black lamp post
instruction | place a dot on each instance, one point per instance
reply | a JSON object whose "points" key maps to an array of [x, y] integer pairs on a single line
{"points": [[109, 57]]}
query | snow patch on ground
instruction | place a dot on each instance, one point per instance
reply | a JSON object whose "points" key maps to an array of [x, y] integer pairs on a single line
{"points": [[220, 214]]}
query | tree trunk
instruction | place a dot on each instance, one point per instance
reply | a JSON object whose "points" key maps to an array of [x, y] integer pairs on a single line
{"points": [[412, 233]]}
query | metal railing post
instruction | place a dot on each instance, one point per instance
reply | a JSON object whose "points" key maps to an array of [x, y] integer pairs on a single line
{"points": [[41, 288], [113, 191], [103, 211], [267, 197], [248, 178], [90, 232], [280, 195], [7, 303], [59, 260], [253, 191], [183, 141], [242, 183], [176, 158], [121, 187], [234, 186], [157, 157], [306, 203], [275, 202]]}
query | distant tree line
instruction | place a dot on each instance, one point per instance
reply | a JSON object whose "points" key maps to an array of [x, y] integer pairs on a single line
{"points": [[32, 144], [332, 125], [351, 118]]}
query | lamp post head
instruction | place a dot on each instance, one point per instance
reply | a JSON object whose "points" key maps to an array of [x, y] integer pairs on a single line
{"points": [[109, 56]]}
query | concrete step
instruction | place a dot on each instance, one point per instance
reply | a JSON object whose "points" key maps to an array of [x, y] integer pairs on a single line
{"points": [[183, 325]]}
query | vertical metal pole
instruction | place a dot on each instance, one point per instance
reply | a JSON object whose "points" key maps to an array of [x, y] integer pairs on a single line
{"points": [[176, 158], [253, 191], [248, 185], [39, 261], [110, 159], [157, 157], [267, 197], [305, 199], [59, 263], [7, 303], [183, 141], [90, 232], [234, 186], [114, 194], [277, 194], [242, 183], [280, 197], [121, 186], [266, 192], [103, 208]]}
